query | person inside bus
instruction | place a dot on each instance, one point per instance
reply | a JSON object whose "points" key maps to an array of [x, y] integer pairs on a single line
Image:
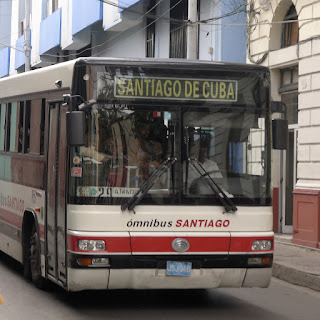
{"points": [[207, 166], [149, 153]]}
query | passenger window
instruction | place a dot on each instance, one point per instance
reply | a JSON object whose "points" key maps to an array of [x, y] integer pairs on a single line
{"points": [[2, 125], [20, 126], [34, 126], [13, 129], [27, 127]]}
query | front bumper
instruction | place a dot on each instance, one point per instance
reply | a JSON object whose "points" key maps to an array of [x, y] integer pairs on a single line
{"points": [[149, 272], [103, 279]]}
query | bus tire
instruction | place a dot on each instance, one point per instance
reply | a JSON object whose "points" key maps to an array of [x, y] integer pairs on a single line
{"points": [[35, 259], [26, 259], [28, 222]]}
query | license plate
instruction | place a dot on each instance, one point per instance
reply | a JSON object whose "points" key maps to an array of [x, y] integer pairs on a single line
{"points": [[177, 268]]}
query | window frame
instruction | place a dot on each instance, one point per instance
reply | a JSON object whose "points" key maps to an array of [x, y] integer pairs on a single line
{"points": [[287, 28]]}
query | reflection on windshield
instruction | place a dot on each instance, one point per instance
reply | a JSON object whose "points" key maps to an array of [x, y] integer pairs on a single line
{"points": [[231, 148], [124, 148], [127, 143]]}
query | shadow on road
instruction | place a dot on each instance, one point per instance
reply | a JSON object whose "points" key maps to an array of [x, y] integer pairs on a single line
{"points": [[139, 304]]}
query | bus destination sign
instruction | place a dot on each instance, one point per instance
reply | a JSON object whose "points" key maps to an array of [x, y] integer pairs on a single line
{"points": [[175, 89]]}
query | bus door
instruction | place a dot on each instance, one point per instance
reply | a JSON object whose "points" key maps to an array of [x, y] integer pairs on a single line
{"points": [[56, 194]]}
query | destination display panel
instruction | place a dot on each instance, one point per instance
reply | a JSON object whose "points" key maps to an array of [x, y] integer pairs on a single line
{"points": [[175, 89]]}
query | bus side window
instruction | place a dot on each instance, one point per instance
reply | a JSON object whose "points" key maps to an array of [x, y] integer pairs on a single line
{"points": [[34, 126], [12, 127], [27, 127], [2, 125], [42, 126], [20, 126]]}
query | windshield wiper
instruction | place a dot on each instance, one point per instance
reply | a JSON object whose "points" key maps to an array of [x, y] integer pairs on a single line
{"points": [[219, 193], [147, 184]]}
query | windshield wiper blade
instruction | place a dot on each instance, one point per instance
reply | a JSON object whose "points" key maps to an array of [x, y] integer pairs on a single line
{"points": [[224, 199], [147, 184]]}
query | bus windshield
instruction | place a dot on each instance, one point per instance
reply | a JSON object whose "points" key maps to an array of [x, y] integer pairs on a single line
{"points": [[224, 143], [126, 144]]}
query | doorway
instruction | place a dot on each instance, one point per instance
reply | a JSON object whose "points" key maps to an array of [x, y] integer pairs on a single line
{"points": [[289, 95], [56, 192]]}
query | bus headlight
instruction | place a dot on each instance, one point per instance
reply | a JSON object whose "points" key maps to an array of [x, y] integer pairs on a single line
{"points": [[91, 245], [261, 245]]}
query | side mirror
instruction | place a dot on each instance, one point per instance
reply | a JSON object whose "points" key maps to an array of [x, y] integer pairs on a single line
{"points": [[76, 128], [279, 134]]}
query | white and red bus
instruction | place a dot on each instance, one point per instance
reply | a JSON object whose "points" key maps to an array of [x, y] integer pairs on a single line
{"points": [[138, 174]]}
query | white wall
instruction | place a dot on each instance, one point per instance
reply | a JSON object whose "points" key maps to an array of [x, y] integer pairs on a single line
{"points": [[66, 23], [5, 22], [209, 35], [36, 17], [130, 43], [306, 55], [162, 38], [111, 15], [14, 33]]}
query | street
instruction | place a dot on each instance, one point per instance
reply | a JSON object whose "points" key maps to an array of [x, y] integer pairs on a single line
{"points": [[280, 301]]}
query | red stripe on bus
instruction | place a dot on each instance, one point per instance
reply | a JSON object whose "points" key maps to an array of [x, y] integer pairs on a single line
{"points": [[113, 244], [244, 244], [164, 244], [41, 231], [11, 218], [16, 221]]}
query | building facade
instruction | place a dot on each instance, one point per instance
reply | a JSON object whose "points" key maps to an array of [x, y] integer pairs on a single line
{"points": [[5, 36], [285, 36], [62, 30], [281, 34]]}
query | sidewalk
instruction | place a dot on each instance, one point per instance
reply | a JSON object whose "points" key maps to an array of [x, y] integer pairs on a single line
{"points": [[296, 264]]}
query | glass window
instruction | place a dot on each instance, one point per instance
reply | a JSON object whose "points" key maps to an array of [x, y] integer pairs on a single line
{"points": [[178, 31], [166, 147], [27, 127], [20, 126], [35, 123], [290, 30], [2, 125], [13, 130], [228, 147], [291, 101], [289, 93], [151, 28], [125, 147], [34, 126]]}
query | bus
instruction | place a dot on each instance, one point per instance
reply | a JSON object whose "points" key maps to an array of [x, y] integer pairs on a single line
{"points": [[138, 174]]}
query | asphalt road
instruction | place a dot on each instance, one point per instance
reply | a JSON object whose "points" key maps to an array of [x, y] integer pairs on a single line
{"points": [[280, 301]]}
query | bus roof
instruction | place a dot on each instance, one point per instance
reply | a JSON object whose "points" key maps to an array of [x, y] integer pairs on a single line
{"points": [[44, 79], [38, 80], [179, 63]]}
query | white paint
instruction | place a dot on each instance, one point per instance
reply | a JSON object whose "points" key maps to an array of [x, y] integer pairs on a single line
{"points": [[162, 40], [95, 218], [200, 278], [35, 31], [86, 279], [14, 34]]}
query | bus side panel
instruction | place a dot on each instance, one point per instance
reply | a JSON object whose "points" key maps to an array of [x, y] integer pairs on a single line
{"points": [[15, 200]]}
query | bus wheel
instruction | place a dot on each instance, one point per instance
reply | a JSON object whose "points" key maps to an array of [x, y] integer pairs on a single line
{"points": [[35, 259]]}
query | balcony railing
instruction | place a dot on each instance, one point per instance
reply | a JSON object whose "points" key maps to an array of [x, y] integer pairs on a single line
{"points": [[85, 13], [50, 32]]}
